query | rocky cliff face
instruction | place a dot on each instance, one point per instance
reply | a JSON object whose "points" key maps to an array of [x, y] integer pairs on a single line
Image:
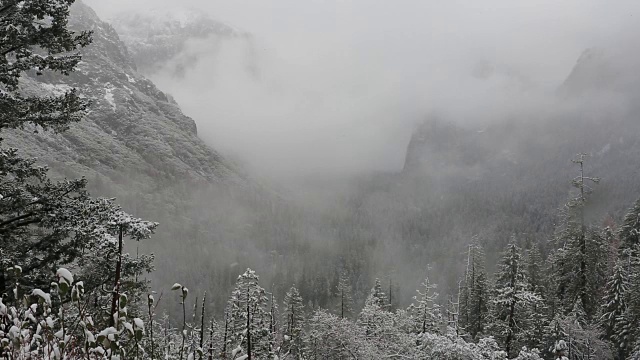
{"points": [[133, 132]]}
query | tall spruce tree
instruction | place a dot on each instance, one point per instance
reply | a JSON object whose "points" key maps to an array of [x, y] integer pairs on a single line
{"points": [[344, 306], [614, 308], [537, 312], [35, 38], [474, 297], [511, 300], [626, 325], [630, 230], [293, 323], [249, 318], [27, 196], [378, 295], [581, 254], [627, 332], [554, 333], [425, 309]]}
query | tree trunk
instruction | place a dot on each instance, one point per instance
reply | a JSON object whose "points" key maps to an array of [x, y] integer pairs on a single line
{"points": [[3, 281], [248, 327], [116, 286]]}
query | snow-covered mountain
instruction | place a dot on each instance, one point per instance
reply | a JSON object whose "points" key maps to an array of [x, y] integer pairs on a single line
{"points": [[158, 37], [132, 128]]}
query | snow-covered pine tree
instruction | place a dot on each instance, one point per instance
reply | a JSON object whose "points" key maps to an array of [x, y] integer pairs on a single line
{"points": [[465, 291], [293, 324], [24, 207], [510, 300], [378, 295], [629, 254], [344, 307], [624, 336], [630, 230], [452, 313], [554, 333], [584, 338], [534, 270], [536, 318], [24, 38], [627, 324], [425, 310], [614, 308], [474, 296], [372, 313], [274, 323], [248, 318], [581, 257]]}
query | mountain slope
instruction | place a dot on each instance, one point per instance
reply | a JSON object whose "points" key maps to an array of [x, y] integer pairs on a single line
{"points": [[133, 128]]}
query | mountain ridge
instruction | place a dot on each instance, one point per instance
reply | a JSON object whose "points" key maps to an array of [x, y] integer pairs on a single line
{"points": [[131, 124]]}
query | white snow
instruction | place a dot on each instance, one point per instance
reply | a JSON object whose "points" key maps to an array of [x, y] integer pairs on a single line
{"points": [[108, 331], [56, 89], [130, 79], [14, 332], [108, 95], [65, 274], [41, 294], [139, 324]]}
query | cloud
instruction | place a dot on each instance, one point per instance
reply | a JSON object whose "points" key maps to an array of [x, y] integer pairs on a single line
{"points": [[337, 86]]}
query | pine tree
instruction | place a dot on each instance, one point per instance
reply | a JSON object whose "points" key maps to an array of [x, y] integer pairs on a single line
{"points": [[623, 336], [534, 270], [628, 331], [584, 338], [29, 42], [511, 300], [293, 323], [273, 324], [554, 332], [379, 297], [345, 301], [425, 310], [630, 230], [580, 261], [474, 299], [614, 307], [249, 319], [452, 313], [536, 318]]}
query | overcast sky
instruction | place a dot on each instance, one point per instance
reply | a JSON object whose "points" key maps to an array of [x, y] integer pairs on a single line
{"points": [[342, 83]]}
